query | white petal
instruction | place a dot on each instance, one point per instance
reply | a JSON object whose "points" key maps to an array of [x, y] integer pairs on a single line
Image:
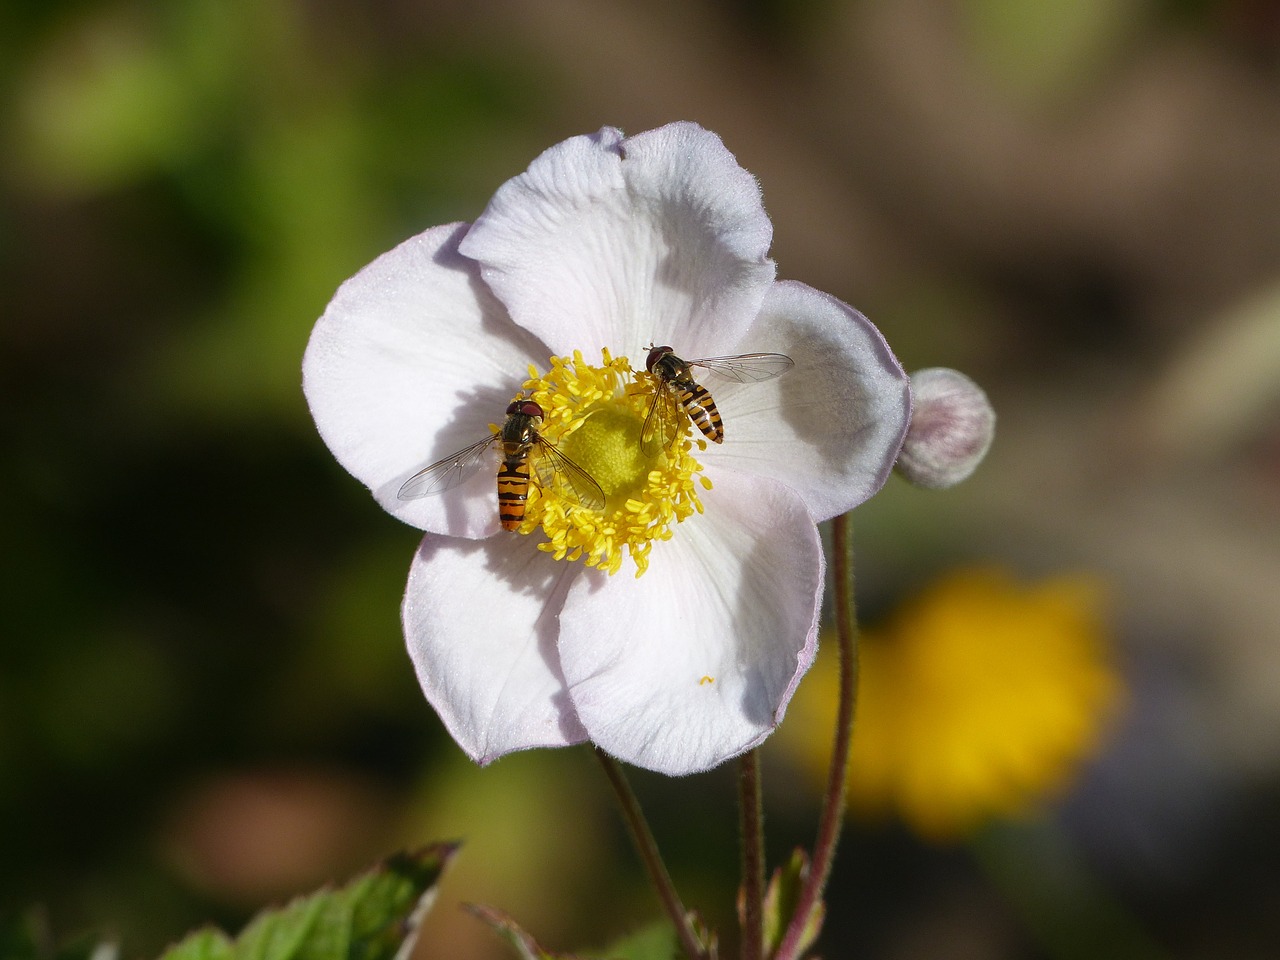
{"points": [[606, 242], [831, 426], [480, 622], [412, 360], [695, 661]]}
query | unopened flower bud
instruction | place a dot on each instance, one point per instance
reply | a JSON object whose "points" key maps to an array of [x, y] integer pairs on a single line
{"points": [[952, 425]]}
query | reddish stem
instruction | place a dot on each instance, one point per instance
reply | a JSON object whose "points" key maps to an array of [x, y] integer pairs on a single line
{"points": [[832, 817]]}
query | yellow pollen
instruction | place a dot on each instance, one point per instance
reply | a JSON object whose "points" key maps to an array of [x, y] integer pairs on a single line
{"points": [[593, 416]]}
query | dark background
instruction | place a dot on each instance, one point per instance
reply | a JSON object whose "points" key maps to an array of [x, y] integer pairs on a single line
{"points": [[204, 700]]}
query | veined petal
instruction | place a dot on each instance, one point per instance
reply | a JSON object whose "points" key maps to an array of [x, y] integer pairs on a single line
{"points": [[480, 622], [615, 242], [830, 428], [412, 360], [694, 662]]}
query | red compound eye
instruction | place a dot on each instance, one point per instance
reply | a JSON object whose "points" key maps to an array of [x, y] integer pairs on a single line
{"points": [[526, 408]]}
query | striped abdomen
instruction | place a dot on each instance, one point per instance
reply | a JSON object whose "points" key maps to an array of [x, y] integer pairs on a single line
{"points": [[513, 489], [701, 409]]}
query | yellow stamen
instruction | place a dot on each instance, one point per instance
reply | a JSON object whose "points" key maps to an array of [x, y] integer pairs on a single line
{"points": [[593, 415]]}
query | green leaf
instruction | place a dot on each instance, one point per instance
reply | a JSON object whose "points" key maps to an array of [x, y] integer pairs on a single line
{"points": [[657, 941], [206, 944], [780, 904], [371, 918]]}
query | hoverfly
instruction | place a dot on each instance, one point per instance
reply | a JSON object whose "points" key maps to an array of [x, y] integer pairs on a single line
{"points": [[677, 386], [521, 446]]}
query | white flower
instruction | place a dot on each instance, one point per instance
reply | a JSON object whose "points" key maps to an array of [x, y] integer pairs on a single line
{"points": [[609, 244]]}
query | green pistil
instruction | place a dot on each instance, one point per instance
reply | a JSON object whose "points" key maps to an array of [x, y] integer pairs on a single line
{"points": [[607, 446]]}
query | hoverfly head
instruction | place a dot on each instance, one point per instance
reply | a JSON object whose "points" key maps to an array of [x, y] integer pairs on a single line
{"points": [[656, 354], [526, 408]]}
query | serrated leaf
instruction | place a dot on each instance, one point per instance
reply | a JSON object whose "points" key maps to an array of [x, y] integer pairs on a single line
{"points": [[374, 917], [283, 934], [206, 944], [525, 946], [780, 904]]}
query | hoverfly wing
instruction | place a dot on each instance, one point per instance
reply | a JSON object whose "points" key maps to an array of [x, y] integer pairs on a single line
{"points": [[661, 423], [557, 472], [747, 367], [446, 473]]}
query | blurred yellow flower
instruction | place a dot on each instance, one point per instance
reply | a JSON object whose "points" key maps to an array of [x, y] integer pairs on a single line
{"points": [[978, 699]]}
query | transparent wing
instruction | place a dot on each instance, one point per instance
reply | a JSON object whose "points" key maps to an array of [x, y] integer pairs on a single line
{"points": [[447, 473], [747, 368], [557, 472], [661, 423]]}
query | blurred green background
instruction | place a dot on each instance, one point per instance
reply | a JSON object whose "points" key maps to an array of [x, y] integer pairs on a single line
{"points": [[204, 699]]}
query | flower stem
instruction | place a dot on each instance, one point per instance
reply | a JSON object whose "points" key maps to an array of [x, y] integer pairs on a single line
{"points": [[752, 826], [832, 817], [647, 847]]}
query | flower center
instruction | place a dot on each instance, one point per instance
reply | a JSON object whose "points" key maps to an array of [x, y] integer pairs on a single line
{"points": [[593, 416], [604, 446]]}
